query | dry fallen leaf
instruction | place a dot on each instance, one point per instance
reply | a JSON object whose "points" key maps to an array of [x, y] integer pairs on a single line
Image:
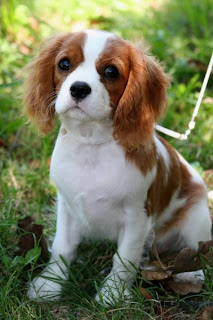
{"points": [[205, 247], [156, 274], [29, 232], [206, 314], [146, 294], [186, 260], [183, 288], [162, 268], [190, 260], [3, 143]]}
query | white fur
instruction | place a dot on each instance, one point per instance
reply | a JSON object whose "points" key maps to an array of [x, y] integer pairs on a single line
{"points": [[161, 150], [96, 106], [101, 195], [198, 216], [107, 202]]}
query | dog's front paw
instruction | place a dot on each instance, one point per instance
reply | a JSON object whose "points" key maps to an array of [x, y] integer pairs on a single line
{"points": [[111, 294], [44, 289]]}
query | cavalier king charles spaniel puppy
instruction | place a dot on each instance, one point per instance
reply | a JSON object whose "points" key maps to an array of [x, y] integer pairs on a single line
{"points": [[116, 179]]}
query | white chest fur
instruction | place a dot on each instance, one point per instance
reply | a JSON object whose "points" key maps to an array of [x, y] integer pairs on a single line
{"points": [[97, 183]]}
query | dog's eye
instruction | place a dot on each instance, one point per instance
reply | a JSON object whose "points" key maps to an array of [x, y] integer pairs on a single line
{"points": [[64, 65], [111, 72]]}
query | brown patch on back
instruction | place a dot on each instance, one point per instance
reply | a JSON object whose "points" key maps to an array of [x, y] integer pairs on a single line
{"points": [[159, 196], [166, 182], [178, 178], [190, 191]]}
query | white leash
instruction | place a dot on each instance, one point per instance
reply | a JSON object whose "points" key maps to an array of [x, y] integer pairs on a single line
{"points": [[184, 136]]}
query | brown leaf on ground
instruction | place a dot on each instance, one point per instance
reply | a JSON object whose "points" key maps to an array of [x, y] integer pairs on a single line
{"points": [[190, 260], [206, 314], [205, 247], [156, 274], [205, 252], [3, 143], [186, 260], [183, 288], [29, 232], [146, 294]]}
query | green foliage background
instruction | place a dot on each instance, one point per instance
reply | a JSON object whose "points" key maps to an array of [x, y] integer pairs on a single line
{"points": [[179, 34]]}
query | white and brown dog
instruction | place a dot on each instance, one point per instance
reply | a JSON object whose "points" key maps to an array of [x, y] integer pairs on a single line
{"points": [[115, 178]]}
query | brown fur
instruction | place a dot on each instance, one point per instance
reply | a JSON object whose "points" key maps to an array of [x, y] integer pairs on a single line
{"points": [[138, 99], [116, 52], [142, 102], [43, 80], [190, 191], [73, 50], [139, 94], [144, 157], [162, 189], [165, 183]]}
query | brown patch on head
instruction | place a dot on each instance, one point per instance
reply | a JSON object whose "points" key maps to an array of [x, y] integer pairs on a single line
{"points": [[45, 79], [139, 94], [115, 53], [72, 50]]}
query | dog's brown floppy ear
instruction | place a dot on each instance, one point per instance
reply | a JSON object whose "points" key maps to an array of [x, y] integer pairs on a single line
{"points": [[39, 85], [142, 102]]}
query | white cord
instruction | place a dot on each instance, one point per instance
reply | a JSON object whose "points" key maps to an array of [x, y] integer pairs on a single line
{"points": [[184, 136]]}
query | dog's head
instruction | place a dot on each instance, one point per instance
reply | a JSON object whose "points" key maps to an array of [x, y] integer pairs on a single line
{"points": [[95, 75]]}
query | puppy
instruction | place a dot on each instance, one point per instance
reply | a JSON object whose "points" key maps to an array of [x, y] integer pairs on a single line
{"points": [[116, 179]]}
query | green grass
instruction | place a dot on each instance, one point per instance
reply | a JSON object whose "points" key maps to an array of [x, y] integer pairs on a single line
{"points": [[178, 32]]}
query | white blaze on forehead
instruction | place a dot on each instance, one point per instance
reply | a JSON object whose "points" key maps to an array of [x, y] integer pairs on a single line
{"points": [[96, 105], [95, 43]]}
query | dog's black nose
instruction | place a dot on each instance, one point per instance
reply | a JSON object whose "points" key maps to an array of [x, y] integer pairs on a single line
{"points": [[80, 90]]}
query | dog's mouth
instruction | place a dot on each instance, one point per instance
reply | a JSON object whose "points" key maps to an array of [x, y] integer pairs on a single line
{"points": [[76, 108], [75, 112], [73, 108]]}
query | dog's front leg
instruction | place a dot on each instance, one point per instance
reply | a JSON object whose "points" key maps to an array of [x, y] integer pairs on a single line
{"points": [[68, 235], [126, 260]]}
